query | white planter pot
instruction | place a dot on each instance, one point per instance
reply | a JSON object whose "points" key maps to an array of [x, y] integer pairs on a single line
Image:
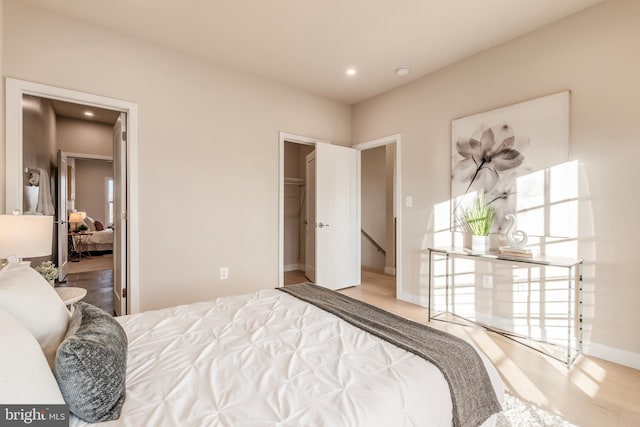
{"points": [[479, 244]]}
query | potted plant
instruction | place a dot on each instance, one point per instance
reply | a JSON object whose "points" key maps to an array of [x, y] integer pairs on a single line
{"points": [[478, 218]]}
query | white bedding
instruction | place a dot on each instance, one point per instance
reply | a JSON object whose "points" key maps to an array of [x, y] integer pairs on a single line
{"points": [[268, 359], [99, 240], [101, 237]]}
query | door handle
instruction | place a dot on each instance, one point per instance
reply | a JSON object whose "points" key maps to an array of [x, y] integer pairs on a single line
{"points": [[322, 225]]}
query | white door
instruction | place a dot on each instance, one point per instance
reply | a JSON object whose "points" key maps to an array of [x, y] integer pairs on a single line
{"points": [[120, 216], [310, 219], [337, 232], [62, 228]]}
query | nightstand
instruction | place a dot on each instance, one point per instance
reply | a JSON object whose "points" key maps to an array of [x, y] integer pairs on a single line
{"points": [[78, 244], [70, 294]]}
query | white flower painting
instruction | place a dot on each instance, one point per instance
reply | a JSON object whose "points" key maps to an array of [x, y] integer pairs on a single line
{"points": [[491, 150]]}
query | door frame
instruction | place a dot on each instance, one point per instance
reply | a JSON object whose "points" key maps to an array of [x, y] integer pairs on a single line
{"points": [[397, 205], [15, 89]]}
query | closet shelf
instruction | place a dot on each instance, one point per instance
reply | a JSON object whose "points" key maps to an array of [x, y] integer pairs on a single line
{"points": [[293, 181]]}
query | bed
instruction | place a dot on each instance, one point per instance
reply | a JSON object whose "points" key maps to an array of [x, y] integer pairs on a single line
{"points": [[98, 238], [272, 358], [99, 241]]}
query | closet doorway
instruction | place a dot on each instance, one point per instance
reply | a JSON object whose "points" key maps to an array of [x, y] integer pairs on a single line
{"points": [[299, 253], [53, 132], [331, 254]]}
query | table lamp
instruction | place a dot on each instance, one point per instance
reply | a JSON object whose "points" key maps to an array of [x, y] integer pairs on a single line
{"points": [[77, 217], [25, 236]]}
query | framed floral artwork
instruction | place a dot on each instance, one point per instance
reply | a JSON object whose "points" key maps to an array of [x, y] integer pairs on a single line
{"points": [[491, 150]]}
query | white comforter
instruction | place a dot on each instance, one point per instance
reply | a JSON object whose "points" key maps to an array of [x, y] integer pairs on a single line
{"points": [[267, 359], [101, 237]]}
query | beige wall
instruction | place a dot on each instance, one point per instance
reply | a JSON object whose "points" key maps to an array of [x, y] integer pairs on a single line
{"points": [[84, 137], [91, 190], [208, 148], [595, 55]]}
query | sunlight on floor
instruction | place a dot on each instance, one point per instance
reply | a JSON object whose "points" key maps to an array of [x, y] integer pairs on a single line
{"points": [[587, 376]]}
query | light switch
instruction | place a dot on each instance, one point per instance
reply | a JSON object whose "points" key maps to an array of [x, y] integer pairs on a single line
{"points": [[408, 201]]}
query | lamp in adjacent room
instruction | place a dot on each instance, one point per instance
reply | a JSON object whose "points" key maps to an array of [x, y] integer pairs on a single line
{"points": [[25, 236], [76, 218]]}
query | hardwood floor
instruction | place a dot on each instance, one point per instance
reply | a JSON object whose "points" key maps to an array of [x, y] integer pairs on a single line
{"points": [[99, 286], [593, 393], [293, 277]]}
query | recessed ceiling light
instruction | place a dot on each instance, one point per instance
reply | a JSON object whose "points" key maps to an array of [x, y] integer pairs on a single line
{"points": [[351, 72], [402, 71], [89, 114]]}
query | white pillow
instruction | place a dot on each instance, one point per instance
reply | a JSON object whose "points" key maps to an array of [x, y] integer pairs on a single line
{"points": [[90, 222], [29, 298], [25, 377]]}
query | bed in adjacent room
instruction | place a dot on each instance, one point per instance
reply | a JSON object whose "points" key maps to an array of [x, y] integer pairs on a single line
{"points": [[98, 238], [277, 358]]}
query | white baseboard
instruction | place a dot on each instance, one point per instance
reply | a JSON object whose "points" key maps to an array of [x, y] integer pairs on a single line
{"points": [[415, 299], [390, 271], [293, 267], [612, 354]]}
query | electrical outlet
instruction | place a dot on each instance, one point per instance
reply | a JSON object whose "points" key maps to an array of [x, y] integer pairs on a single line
{"points": [[487, 281], [224, 273]]}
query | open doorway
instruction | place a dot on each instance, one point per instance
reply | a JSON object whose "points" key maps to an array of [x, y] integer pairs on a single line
{"points": [[378, 221], [124, 140], [67, 157], [381, 213], [92, 184]]}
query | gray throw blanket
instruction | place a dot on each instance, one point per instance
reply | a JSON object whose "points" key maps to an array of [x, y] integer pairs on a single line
{"points": [[472, 394]]}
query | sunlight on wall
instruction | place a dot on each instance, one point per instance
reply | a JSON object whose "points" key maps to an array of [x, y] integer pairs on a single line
{"points": [[441, 224], [530, 300]]}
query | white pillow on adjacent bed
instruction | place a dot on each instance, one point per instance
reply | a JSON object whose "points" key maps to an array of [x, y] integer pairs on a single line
{"points": [[25, 376], [29, 298], [89, 222]]}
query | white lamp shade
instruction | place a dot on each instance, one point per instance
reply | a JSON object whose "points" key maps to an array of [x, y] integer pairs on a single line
{"points": [[77, 216], [25, 236]]}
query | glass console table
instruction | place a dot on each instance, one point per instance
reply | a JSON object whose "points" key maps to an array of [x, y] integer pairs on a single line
{"points": [[534, 301]]}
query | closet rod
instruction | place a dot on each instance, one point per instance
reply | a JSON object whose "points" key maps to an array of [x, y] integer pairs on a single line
{"points": [[293, 181]]}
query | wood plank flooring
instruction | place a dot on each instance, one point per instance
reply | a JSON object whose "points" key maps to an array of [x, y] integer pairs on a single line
{"points": [[99, 286], [593, 393]]}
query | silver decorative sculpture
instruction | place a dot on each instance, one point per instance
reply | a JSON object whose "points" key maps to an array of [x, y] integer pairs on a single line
{"points": [[516, 238]]}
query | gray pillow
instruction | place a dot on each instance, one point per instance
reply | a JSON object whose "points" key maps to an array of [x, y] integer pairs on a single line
{"points": [[91, 363]]}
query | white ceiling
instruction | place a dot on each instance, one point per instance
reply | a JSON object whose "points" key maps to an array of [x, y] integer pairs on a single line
{"points": [[310, 44], [77, 111]]}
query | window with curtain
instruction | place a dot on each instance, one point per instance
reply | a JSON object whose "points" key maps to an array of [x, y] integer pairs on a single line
{"points": [[109, 202]]}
